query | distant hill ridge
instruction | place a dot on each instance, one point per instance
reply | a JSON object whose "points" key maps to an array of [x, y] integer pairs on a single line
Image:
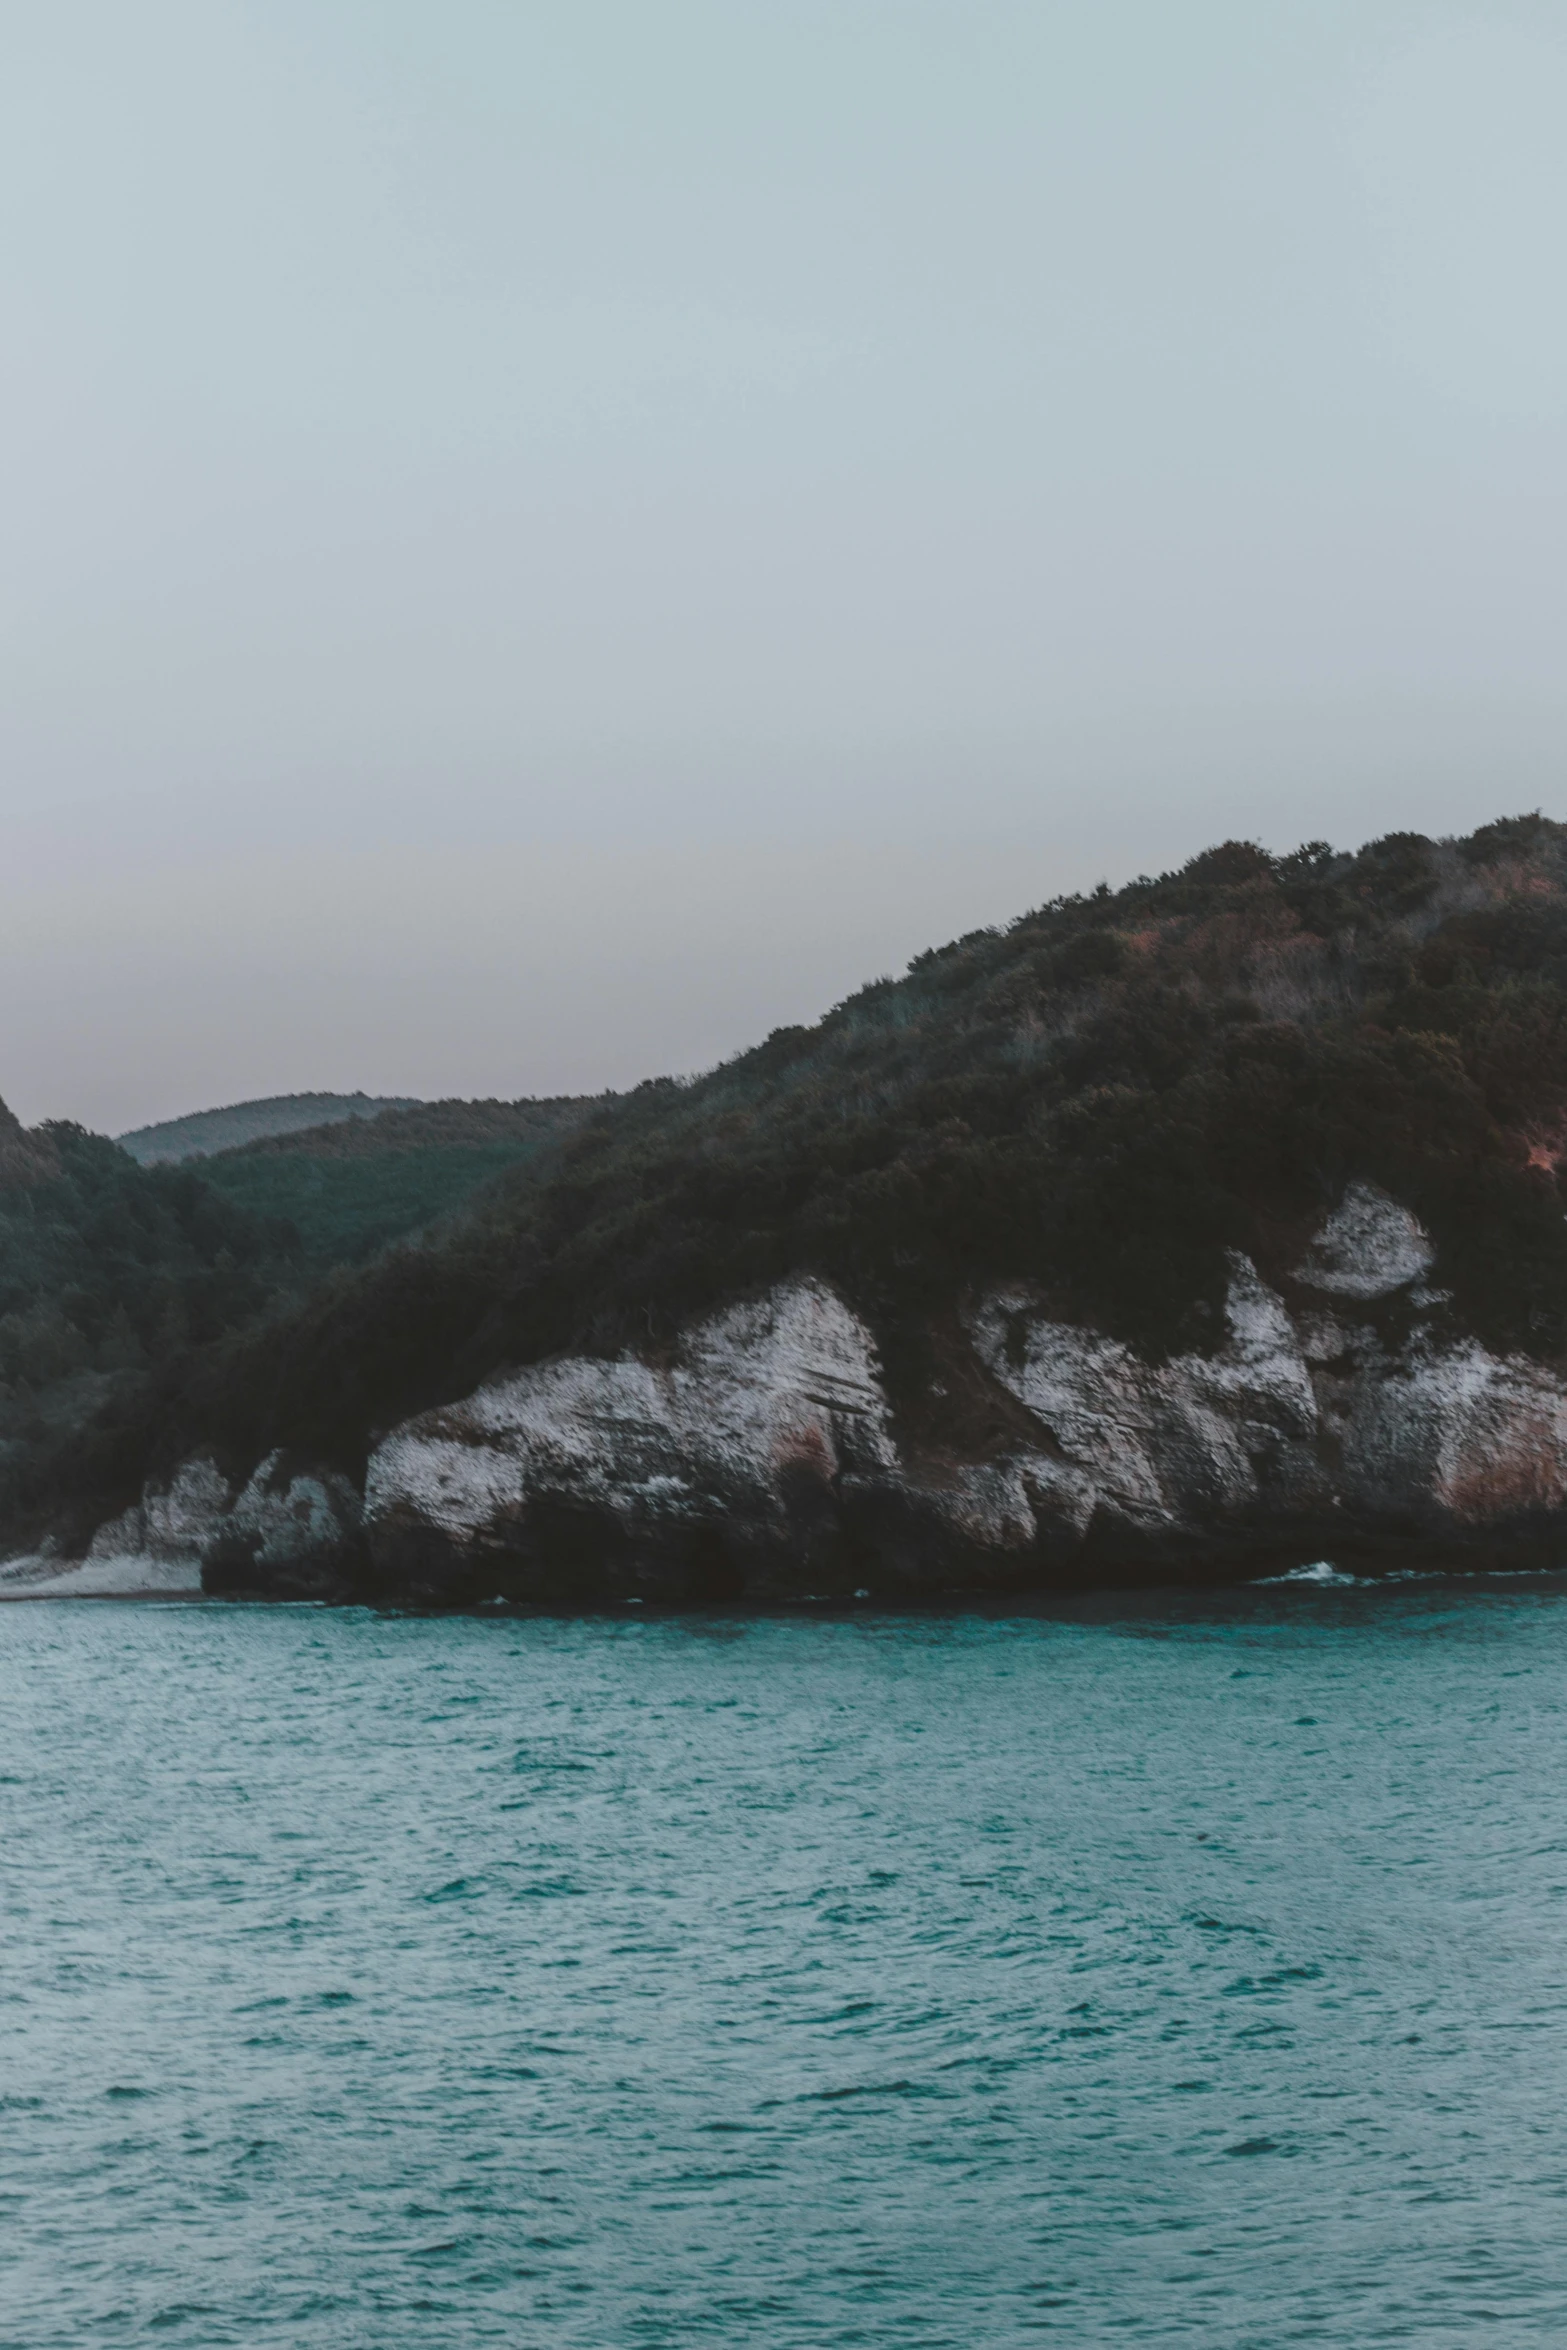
{"points": [[205, 1132], [414, 1126], [356, 1184]]}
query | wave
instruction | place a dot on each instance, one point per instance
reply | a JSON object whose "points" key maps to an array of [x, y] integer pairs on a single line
{"points": [[1323, 1574]]}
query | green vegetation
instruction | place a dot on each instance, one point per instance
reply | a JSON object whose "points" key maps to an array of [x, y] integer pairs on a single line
{"points": [[350, 1189], [345, 1209], [112, 1278], [115, 1278], [1099, 1100], [105, 1265], [206, 1131]]}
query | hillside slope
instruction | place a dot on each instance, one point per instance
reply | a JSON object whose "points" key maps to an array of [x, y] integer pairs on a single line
{"points": [[1087, 1158], [116, 1277], [205, 1131], [110, 1275], [1103, 1099], [352, 1187]]}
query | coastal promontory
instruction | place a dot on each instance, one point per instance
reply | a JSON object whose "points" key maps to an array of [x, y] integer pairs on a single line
{"points": [[1200, 1229]]}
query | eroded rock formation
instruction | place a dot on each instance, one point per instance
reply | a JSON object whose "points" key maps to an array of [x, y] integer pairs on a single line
{"points": [[1341, 1417], [293, 1531], [1337, 1418]]}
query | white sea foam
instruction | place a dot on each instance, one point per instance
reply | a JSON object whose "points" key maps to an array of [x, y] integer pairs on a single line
{"points": [[1323, 1574]]}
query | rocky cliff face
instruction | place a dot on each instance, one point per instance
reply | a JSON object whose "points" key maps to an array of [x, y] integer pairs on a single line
{"points": [[292, 1532], [1341, 1417]]}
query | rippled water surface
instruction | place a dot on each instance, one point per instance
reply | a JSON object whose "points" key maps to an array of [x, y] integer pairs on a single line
{"points": [[1192, 1973]]}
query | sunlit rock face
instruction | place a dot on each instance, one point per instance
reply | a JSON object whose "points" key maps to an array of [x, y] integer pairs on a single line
{"points": [[1450, 1433], [1435, 1430], [172, 1523], [693, 1475], [1339, 1417], [767, 1459], [294, 1530], [1199, 1439], [154, 1548], [1368, 1248]]}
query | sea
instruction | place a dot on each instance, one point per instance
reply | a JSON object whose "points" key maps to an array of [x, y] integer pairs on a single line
{"points": [[1157, 1970]]}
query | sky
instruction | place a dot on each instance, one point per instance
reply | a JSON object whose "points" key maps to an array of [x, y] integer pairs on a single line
{"points": [[542, 541]]}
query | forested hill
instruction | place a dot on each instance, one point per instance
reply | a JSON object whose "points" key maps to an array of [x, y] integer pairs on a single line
{"points": [[107, 1267], [115, 1278], [1100, 1100], [416, 1126], [207, 1131], [351, 1187]]}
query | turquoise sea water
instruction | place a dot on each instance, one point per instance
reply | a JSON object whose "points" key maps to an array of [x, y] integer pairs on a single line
{"points": [[1180, 1972]]}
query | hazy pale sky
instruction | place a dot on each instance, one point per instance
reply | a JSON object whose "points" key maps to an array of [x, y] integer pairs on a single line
{"points": [[541, 541]]}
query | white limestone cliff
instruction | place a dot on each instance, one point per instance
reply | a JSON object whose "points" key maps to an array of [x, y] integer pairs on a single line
{"points": [[170, 1522], [764, 1456], [1369, 1247], [292, 1527], [765, 1399], [1301, 1425]]}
